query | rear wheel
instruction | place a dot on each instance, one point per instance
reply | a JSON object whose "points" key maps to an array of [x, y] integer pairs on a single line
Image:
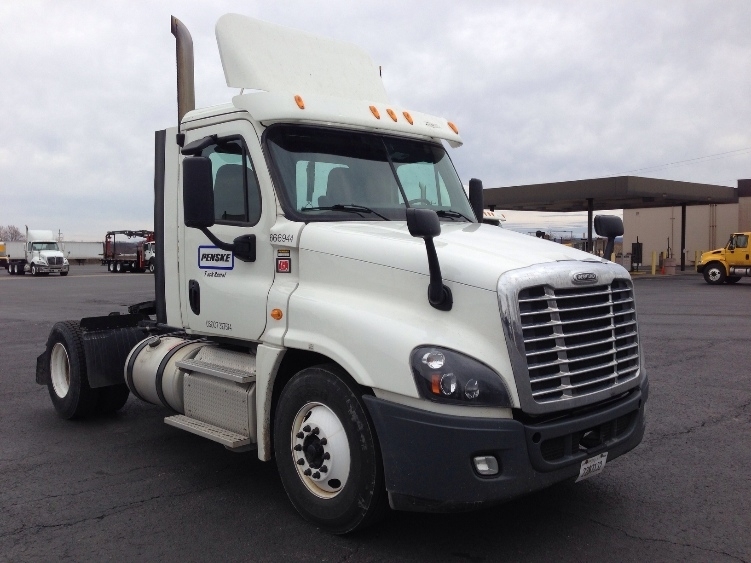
{"points": [[714, 273], [118, 267], [68, 383], [733, 279], [327, 451]]}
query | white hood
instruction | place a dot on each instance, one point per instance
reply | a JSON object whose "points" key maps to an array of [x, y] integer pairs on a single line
{"points": [[472, 254], [47, 254]]}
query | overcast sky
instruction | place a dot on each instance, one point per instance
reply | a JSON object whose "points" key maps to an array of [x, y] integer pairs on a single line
{"points": [[541, 91]]}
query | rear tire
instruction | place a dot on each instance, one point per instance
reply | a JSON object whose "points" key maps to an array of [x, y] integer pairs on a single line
{"points": [[327, 451], [733, 279], [68, 384], [118, 267], [714, 273]]}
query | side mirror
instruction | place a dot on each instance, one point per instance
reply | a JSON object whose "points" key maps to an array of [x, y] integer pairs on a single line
{"points": [[198, 192], [609, 226], [476, 198], [424, 223]]}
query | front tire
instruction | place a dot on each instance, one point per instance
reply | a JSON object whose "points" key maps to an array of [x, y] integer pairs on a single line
{"points": [[63, 274], [68, 384], [151, 266], [327, 451], [714, 273], [732, 279], [34, 270]]}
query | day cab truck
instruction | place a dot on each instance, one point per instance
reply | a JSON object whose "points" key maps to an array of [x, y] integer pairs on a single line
{"points": [[132, 252], [326, 297], [43, 255], [728, 264]]}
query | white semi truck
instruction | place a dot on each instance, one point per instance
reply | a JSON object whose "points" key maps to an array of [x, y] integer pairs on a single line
{"points": [[326, 297], [43, 255]]}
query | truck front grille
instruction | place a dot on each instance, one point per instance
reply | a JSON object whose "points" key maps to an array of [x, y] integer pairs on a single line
{"points": [[55, 261], [578, 340]]}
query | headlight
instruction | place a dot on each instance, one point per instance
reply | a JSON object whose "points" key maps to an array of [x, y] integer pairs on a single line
{"points": [[446, 376]]}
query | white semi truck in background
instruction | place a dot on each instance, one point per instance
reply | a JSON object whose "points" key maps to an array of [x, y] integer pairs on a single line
{"points": [[43, 255], [326, 297]]}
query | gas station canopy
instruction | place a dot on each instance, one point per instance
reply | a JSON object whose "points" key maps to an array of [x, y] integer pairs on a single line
{"points": [[620, 192]]}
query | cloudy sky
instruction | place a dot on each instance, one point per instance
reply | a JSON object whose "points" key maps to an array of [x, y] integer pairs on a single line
{"points": [[541, 91]]}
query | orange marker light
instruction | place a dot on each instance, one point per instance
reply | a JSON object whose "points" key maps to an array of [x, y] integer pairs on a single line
{"points": [[408, 117], [300, 103], [391, 113], [276, 314], [435, 383], [453, 128], [374, 111]]}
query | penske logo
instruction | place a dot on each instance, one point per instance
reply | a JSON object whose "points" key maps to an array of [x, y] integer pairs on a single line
{"points": [[213, 258], [581, 278]]}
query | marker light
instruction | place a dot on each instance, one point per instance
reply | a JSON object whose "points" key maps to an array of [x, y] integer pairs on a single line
{"points": [[408, 117], [299, 102], [472, 389], [453, 128], [391, 113], [276, 314], [374, 111]]}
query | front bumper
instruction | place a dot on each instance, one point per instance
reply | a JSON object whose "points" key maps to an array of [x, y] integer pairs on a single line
{"points": [[45, 269], [700, 268], [427, 457]]}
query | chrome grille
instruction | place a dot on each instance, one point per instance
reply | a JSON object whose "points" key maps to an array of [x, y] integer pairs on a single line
{"points": [[578, 340], [55, 261]]}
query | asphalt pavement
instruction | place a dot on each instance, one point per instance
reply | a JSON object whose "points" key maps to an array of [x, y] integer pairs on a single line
{"points": [[127, 487]]}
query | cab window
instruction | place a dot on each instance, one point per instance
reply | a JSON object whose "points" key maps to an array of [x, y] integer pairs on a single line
{"points": [[741, 241], [237, 197]]}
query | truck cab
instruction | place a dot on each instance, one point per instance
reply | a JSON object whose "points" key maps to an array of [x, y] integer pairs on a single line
{"points": [[328, 296], [728, 264], [44, 255]]}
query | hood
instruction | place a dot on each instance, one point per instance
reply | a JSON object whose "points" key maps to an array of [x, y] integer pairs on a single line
{"points": [[469, 253], [50, 254]]}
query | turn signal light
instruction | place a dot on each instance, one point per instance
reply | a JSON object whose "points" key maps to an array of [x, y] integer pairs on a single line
{"points": [[374, 111], [276, 314], [391, 113], [453, 128], [300, 103], [408, 117]]}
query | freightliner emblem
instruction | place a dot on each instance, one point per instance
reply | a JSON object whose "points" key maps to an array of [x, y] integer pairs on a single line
{"points": [[584, 278]]}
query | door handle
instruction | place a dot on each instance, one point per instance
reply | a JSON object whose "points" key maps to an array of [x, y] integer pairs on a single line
{"points": [[194, 296]]}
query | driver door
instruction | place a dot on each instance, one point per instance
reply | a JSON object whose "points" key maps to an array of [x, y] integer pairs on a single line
{"points": [[220, 294]]}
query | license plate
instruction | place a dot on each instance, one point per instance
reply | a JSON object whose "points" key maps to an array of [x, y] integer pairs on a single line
{"points": [[592, 466]]}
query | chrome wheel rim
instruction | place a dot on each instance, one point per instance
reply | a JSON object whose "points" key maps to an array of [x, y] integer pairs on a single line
{"points": [[714, 274]]}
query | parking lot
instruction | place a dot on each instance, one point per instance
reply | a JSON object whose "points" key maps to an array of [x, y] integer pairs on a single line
{"points": [[129, 488]]}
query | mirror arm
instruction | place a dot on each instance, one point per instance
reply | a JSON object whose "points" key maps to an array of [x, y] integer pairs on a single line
{"points": [[243, 247], [439, 295]]}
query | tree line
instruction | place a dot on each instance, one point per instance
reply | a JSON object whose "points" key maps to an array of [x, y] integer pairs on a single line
{"points": [[11, 233]]}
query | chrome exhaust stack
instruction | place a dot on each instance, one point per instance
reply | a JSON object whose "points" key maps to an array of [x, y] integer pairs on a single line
{"points": [[186, 92]]}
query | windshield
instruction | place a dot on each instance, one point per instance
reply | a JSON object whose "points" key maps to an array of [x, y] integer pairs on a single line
{"points": [[44, 246], [345, 175]]}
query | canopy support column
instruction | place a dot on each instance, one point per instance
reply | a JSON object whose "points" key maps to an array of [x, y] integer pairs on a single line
{"points": [[683, 237], [590, 211]]}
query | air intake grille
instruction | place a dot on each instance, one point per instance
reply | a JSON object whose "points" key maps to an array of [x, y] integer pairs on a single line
{"points": [[55, 261], [578, 340]]}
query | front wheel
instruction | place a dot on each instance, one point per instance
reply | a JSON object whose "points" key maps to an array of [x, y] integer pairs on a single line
{"points": [[733, 279], [151, 266], [63, 274], [714, 273], [34, 270], [68, 384], [327, 451]]}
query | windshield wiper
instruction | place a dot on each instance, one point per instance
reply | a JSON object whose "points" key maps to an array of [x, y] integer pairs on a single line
{"points": [[451, 214], [347, 207]]}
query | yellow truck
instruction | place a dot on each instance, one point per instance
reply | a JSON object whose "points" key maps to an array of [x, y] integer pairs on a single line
{"points": [[3, 256], [728, 264]]}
